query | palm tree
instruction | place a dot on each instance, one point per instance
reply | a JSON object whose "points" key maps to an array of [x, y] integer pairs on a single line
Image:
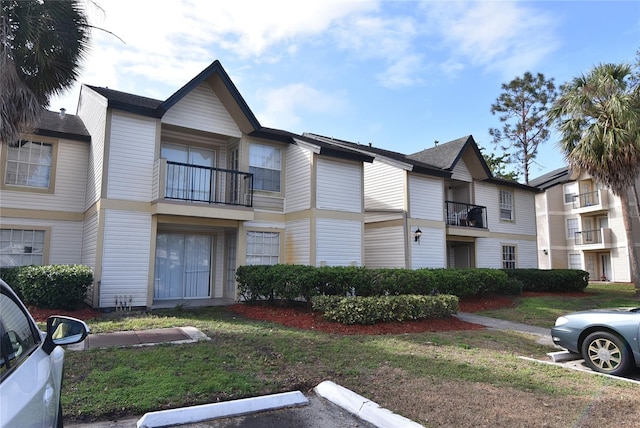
{"points": [[41, 46], [598, 115]]}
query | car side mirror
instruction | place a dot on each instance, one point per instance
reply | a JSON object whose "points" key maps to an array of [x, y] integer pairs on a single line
{"points": [[63, 330]]}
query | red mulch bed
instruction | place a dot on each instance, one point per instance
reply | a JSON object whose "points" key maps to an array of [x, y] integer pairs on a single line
{"points": [[85, 314]]}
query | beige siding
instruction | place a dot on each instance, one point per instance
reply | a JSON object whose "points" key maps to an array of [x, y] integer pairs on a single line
{"points": [[489, 252], [70, 182], [338, 242], [426, 198], [125, 263], [430, 251], [268, 203], [297, 241], [298, 179], [131, 158], [461, 172], [339, 185], [89, 248], [384, 247], [217, 288], [384, 187], [523, 205], [201, 109], [92, 109]]}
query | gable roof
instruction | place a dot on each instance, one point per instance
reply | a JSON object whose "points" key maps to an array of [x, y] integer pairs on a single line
{"points": [[550, 179], [417, 166], [447, 155], [156, 108], [325, 148], [67, 126]]}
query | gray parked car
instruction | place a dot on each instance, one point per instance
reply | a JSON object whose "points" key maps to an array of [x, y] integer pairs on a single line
{"points": [[31, 364], [607, 339]]}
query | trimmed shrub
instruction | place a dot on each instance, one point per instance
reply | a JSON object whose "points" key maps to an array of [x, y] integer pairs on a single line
{"points": [[554, 280], [369, 310], [10, 275], [55, 286]]}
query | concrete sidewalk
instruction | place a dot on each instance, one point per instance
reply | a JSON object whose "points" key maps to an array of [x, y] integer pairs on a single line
{"points": [[140, 338], [496, 324]]}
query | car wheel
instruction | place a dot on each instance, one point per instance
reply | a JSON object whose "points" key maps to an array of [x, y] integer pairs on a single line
{"points": [[606, 353]]}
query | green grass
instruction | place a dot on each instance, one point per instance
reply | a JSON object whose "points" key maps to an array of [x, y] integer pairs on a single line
{"points": [[543, 311], [248, 358]]}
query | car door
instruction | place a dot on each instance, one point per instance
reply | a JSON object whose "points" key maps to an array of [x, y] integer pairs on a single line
{"points": [[29, 378]]}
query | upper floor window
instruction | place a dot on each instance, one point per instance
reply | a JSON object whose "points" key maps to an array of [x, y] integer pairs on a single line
{"points": [[19, 247], [506, 205], [572, 227], [508, 257], [29, 165], [570, 192], [265, 163]]}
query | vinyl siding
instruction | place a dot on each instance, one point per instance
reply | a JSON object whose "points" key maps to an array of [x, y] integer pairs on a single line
{"points": [[298, 179], [131, 158], [523, 204], [70, 181], [65, 238], [89, 248], [125, 263], [338, 242], [92, 109], [430, 251], [297, 241], [384, 247], [384, 186], [489, 253], [426, 198], [202, 109], [461, 172], [218, 265], [339, 185]]}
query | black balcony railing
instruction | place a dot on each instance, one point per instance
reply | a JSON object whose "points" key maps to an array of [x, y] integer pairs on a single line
{"points": [[586, 199], [211, 185], [465, 215], [587, 237]]}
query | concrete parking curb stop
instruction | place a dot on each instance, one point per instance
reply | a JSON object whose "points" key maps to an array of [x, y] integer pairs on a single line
{"points": [[205, 412], [363, 408]]}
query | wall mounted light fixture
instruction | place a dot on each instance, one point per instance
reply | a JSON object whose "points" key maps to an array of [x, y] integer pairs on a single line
{"points": [[416, 235]]}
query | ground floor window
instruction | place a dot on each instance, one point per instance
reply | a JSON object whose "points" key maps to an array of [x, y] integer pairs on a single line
{"points": [[508, 257], [182, 266], [263, 248], [575, 261], [20, 247]]}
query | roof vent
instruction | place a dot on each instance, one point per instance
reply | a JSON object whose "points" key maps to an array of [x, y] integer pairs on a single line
{"points": [[63, 111]]}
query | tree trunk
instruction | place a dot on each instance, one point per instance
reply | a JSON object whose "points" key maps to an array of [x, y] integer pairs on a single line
{"points": [[631, 246]]}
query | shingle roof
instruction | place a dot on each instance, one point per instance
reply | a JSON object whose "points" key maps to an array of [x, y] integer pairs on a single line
{"points": [[550, 179], [444, 155], [69, 126], [418, 166], [326, 148], [129, 102]]}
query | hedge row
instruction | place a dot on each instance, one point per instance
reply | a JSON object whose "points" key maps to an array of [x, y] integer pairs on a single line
{"points": [[555, 280], [291, 282], [51, 286], [370, 310]]}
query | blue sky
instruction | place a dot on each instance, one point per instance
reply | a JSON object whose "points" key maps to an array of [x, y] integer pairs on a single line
{"points": [[397, 74]]}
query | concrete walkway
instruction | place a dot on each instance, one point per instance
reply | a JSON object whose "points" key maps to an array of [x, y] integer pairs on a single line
{"points": [[496, 324]]}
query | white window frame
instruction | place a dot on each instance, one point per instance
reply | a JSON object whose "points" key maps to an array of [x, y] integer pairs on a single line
{"points": [[30, 165], [572, 257], [266, 160], [22, 247], [263, 248], [506, 204], [509, 256], [571, 231], [570, 191]]}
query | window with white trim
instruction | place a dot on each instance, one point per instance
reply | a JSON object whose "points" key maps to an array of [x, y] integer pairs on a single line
{"points": [[506, 205], [263, 248], [575, 261], [29, 165], [19, 247], [572, 227], [508, 257], [265, 163], [570, 192]]}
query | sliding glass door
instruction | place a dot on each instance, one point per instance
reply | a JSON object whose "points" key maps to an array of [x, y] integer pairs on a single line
{"points": [[183, 266]]}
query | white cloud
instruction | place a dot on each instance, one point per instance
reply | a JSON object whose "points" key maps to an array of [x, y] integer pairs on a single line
{"points": [[403, 72], [284, 106]]}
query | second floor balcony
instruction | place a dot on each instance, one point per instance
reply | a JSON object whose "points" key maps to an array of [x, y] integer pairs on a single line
{"points": [[598, 238], [465, 215], [201, 184]]}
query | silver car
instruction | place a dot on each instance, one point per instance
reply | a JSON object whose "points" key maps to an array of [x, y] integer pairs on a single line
{"points": [[31, 364], [607, 339]]}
